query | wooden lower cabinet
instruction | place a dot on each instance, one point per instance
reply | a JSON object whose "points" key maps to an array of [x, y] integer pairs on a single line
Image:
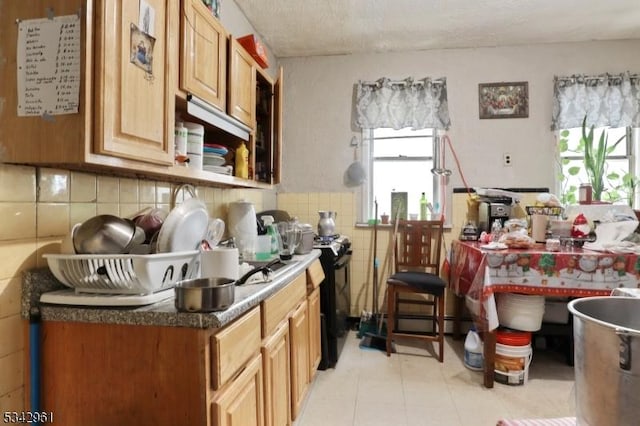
{"points": [[108, 374], [277, 377], [299, 335], [315, 350], [242, 403]]}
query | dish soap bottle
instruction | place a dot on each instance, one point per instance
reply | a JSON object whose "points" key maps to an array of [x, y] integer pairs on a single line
{"points": [[423, 207], [272, 232], [242, 161]]}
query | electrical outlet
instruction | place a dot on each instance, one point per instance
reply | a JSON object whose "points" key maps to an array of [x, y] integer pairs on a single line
{"points": [[507, 160]]}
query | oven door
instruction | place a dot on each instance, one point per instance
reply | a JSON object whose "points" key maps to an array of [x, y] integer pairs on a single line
{"points": [[343, 296]]}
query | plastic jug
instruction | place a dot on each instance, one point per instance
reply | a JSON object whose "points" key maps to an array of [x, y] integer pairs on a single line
{"points": [[473, 351]]}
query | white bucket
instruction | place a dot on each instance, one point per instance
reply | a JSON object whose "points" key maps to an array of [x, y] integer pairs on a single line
{"points": [[473, 358], [519, 311], [512, 364]]}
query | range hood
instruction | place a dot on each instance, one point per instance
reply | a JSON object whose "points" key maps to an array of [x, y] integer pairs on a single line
{"points": [[205, 112]]}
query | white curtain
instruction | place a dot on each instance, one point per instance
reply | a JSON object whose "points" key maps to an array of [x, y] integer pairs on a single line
{"points": [[607, 100], [418, 104]]}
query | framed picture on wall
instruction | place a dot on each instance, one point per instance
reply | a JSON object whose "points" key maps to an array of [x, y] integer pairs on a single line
{"points": [[504, 100]]}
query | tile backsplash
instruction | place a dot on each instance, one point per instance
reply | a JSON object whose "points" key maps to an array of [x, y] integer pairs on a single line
{"points": [[39, 206]]}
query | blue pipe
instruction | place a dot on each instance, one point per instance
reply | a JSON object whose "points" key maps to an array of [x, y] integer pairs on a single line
{"points": [[34, 365]]}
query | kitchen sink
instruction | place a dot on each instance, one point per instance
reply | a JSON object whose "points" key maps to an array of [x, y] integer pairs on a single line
{"points": [[278, 267]]}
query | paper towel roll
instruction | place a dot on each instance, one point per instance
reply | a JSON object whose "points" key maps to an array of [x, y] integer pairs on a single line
{"points": [[220, 262], [243, 228], [539, 227]]}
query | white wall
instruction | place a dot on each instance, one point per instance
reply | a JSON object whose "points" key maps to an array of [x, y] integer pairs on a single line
{"points": [[318, 95]]}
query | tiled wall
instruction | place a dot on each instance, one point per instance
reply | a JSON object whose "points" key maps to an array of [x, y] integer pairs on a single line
{"points": [[305, 206], [38, 207]]}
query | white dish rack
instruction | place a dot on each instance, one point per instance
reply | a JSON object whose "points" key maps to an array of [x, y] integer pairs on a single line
{"points": [[124, 274]]}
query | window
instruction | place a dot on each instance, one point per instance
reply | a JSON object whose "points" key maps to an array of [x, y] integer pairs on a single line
{"points": [[400, 161], [620, 171]]}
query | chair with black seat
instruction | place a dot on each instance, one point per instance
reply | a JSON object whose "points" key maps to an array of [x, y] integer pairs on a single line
{"points": [[417, 251]]}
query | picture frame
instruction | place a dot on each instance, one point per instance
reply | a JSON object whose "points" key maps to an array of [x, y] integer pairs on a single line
{"points": [[503, 100]]}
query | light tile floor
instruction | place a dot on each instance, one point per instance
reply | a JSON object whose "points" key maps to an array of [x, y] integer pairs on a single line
{"points": [[412, 388]]}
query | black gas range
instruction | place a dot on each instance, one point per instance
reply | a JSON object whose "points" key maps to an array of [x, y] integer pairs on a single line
{"points": [[335, 295]]}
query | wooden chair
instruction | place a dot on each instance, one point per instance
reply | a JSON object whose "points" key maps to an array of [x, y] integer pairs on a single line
{"points": [[417, 251]]}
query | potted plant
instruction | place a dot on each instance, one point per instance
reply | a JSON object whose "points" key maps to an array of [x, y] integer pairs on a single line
{"points": [[595, 157]]}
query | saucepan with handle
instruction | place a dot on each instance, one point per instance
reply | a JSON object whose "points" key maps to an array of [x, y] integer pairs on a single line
{"points": [[213, 293]]}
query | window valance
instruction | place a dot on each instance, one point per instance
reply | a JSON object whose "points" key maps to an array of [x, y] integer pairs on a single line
{"points": [[607, 100], [418, 104]]}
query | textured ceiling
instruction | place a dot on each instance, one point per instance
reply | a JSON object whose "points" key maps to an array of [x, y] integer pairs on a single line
{"points": [[332, 27]]}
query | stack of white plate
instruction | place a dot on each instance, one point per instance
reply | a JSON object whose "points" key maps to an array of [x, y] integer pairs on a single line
{"points": [[224, 170], [209, 159]]}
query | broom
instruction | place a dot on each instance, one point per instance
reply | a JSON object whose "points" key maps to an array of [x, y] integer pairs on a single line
{"points": [[368, 319], [373, 337]]}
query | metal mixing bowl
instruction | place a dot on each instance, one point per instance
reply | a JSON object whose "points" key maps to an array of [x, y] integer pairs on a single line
{"points": [[104, 234]]}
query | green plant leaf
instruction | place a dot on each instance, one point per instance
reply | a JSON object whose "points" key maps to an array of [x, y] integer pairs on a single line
{"points": [[563, 145], [564, 133], [573, 171], [565, 161], [613, 176]]}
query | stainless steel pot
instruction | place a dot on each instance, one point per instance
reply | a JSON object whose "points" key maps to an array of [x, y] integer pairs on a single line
{"points": [[607, 360], [210, 294]]}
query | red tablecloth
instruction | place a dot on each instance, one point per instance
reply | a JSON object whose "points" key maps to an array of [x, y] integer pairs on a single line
{"points": [[479, 273]]}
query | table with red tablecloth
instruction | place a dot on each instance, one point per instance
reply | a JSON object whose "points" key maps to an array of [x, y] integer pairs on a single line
{"points": [[477, 273]]}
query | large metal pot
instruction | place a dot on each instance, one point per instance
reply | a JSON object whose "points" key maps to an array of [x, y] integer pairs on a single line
{"points": [[210, 294], [607, 360]]}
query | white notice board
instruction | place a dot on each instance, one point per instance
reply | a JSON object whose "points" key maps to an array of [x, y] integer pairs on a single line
{"points": [[48, 60]]}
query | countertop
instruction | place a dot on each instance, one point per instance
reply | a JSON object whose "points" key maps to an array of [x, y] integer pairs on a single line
{"points": [[164, 313]]}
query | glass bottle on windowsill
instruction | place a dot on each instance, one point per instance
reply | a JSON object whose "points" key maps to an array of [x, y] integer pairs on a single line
{"points": [[423, 207]]}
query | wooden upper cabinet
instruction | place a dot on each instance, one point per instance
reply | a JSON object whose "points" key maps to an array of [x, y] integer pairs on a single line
{"points": [[203, 54], [242, 84], [134, 93], [125, 114]]}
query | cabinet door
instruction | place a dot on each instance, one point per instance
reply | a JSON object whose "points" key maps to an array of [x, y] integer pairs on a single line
{"points": [[277, 376], [277, 128], [241, 404], [299, 334], [268, 132], [134, 105], [203, 54], [315, 350], [242, 84]]}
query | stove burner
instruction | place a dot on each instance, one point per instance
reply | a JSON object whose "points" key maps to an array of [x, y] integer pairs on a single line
{"points": [[325, 239]]}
